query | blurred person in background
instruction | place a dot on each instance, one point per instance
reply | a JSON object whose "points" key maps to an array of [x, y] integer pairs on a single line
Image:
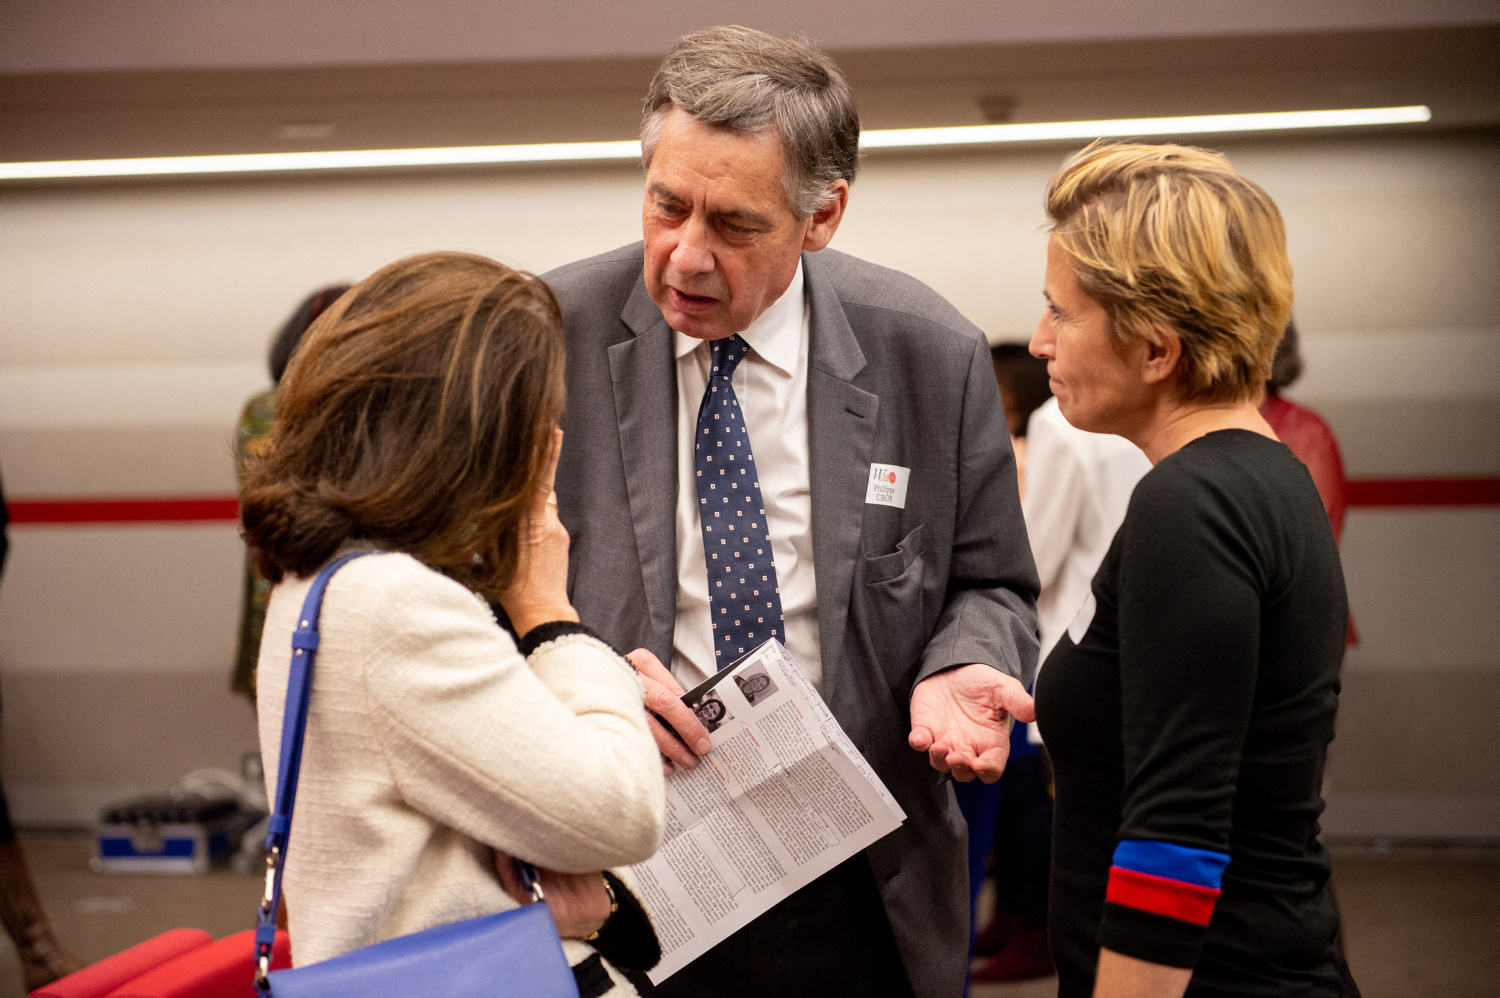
{"points": [[418, 420], [1309, 437], [1023, 388], [255, 423], [42, 959], [1189, 705]]}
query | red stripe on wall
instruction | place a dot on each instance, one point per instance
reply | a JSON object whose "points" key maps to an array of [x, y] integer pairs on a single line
{"points": [[1424, 492], [195, 509], [1363, 492]]}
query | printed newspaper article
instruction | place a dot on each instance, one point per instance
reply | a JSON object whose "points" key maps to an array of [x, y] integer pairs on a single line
{"points": [[783, 797]]}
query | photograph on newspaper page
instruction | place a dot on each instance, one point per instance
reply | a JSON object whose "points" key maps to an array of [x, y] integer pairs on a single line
{"points": [[782, 798]]}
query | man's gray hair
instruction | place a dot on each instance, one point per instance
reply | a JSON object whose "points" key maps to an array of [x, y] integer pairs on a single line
{"points": [[748, 81]]}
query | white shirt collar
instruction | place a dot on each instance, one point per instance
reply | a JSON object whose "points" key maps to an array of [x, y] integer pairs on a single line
{"points": [[776, 335]]}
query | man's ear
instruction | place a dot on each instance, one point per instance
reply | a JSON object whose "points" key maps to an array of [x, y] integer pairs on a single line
{"points": [[1159, 361], [825, 221]]}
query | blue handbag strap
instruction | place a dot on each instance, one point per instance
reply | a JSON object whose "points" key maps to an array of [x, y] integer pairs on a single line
{"points": [[293, 727]]}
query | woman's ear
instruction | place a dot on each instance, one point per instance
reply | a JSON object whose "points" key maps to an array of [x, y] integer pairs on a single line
{"points": [[1159, 361]]}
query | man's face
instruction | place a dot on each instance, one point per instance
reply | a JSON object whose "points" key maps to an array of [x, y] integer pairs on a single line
{"points": [[722, 243]]}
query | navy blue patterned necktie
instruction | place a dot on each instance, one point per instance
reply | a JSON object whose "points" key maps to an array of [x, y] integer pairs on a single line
{"points": [[742, 593]]}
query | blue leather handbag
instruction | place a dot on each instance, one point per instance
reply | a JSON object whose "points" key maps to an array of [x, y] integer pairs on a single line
{"points": [[506, 955]]}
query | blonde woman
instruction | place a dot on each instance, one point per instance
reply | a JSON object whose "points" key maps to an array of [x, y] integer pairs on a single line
{"points": [[1189, 706]]}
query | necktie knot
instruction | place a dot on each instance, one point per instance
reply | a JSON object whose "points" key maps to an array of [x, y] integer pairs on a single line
{"points": [[726, 356]]}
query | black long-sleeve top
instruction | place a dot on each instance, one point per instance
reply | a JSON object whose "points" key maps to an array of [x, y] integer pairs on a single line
{"points": [[1188, 713]]}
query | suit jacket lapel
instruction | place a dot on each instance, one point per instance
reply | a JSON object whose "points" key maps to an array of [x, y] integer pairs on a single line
{"points": [[645, 388], [840, 435]]}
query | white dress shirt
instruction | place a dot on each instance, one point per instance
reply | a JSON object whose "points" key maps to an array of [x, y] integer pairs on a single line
{"points": [[771, 385], [1078, 486]]}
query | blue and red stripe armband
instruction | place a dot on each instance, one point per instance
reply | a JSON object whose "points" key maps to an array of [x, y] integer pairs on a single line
{"points": [[1165, 879]]}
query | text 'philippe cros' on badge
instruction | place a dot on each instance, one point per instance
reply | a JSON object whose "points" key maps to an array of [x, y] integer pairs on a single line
{"points": [[887, 485]]}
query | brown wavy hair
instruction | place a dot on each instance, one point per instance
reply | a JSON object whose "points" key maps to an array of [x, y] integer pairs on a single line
{"points": [[416, 414]]}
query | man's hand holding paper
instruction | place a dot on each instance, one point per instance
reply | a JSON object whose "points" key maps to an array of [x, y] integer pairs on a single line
{"points": [[784, 798]]}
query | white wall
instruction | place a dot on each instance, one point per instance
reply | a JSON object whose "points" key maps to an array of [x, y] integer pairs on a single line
{"points": [[134, 319]]}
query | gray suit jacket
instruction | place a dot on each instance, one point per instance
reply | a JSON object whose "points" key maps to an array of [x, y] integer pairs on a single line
{"points": [[896, 376]]}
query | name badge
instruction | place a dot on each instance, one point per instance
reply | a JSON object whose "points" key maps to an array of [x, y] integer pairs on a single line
{"points": [[887, 485]]}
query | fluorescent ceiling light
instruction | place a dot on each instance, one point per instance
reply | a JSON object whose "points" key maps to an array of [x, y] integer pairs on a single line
{"points": [[563, 152], [1200, 124], [354, 159]]}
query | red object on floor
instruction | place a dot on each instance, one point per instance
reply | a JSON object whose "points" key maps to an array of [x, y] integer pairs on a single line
{"points": [[225, 969], [993, 937], [1025, 958], [101, 978]]}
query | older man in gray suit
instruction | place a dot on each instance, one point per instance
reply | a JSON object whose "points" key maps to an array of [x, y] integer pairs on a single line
{"points": [[769, 439]]}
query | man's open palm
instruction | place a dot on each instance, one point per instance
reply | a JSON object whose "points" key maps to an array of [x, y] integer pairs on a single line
{"points": [[961, 718]]}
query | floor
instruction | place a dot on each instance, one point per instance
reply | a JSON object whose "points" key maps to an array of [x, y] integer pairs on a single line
{"points": [[96, 915], [1417, 923]]}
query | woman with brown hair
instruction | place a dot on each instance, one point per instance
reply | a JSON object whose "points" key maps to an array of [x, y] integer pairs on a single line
{"points": [[418, 418], [1189, 706]]}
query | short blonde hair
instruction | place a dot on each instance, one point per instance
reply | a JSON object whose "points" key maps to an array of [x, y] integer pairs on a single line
{"points": [[1172, 236]]}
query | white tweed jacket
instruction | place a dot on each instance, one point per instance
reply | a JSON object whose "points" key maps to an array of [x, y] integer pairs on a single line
{"points": [[431, 741]]}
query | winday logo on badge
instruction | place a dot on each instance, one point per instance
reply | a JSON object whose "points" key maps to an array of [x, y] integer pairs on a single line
{"points": [[887, 485]]}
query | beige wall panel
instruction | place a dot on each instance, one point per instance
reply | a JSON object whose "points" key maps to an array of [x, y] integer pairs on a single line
{"points": [[77, 742], [121, 600], [78, 462], [1396, 735], [1450, 363], [1415, 756], [1416, 438], [209, 271], [1385, 233], [970, 226], [1424, 587], [128, 395]]}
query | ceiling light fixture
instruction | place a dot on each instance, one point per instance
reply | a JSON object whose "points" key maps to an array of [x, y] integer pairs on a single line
{"points": [[565, 152], [354, 159], [1199, 124]]}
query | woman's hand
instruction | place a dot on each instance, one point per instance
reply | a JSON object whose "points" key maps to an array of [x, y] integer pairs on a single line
{"points": [[539, 592], [578, 901]]}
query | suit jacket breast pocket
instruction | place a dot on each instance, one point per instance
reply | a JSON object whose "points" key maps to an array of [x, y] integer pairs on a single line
{"points": [[893, 584]]}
